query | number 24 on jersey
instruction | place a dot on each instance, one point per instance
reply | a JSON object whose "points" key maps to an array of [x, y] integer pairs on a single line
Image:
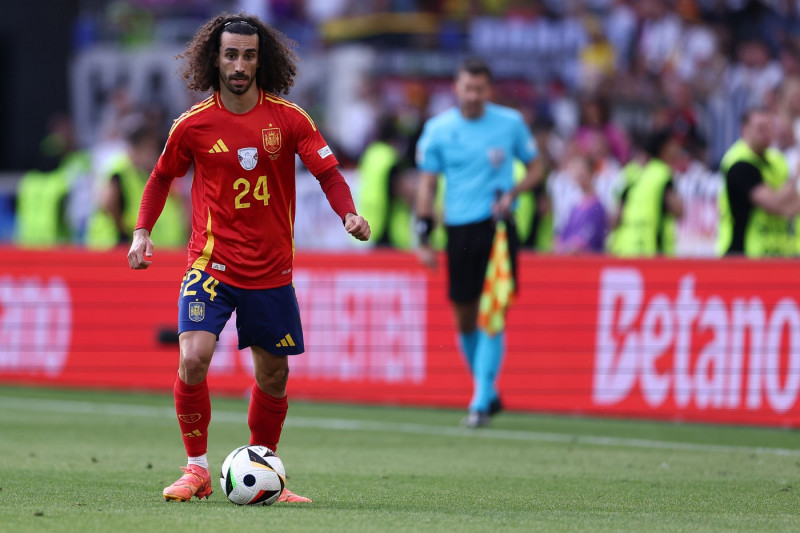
{"points": [[260, 192]]}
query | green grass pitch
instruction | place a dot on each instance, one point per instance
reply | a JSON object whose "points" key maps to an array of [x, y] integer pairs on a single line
{"points": [[94, 461]]}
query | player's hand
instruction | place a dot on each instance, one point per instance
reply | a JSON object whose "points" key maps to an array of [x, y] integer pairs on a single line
{"points": [[141, 250], [427, 256], [357, 226]]}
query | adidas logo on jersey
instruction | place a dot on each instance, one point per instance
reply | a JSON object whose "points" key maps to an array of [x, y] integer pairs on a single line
{"points": [[286, 341], [218, 147]]}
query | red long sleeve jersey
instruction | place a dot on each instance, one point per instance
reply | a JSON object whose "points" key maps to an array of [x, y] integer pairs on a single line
{"points": [[243, 193]]}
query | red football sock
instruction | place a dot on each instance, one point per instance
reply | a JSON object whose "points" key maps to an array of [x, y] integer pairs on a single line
{"points": [[193, 407], [265, 418]]}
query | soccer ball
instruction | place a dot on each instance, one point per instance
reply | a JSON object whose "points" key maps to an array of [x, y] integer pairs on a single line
{"points": [[252, 475]]}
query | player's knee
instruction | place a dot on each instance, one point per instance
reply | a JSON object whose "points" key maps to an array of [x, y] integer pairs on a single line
{"points": [[273, 381], [194, 368]]}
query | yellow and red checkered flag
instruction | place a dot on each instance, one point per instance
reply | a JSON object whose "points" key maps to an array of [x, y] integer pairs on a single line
{"points": [[498, 286]]}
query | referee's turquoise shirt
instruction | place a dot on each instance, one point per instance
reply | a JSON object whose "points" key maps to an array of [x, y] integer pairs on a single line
{"points": [[476, 157]]}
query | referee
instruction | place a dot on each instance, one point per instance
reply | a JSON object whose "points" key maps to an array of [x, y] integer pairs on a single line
{"points": [[473, 146]]}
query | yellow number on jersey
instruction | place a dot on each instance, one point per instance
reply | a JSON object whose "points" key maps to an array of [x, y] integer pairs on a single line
{"points": [[246, 189], [260, 192]]}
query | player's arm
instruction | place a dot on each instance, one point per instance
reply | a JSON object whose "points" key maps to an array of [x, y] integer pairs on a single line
{"points": [[320, 161], [153, 200], [174, 161], [341, 200]]}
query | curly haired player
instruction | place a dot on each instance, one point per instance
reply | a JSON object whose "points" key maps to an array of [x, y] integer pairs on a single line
{"points": [[242, 141]]}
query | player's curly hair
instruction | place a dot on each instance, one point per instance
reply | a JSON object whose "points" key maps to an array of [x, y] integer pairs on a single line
{"points": [[277, 59]]}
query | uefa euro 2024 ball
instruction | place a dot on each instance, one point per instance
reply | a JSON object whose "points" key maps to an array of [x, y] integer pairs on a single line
{"points": [[252, 475]]}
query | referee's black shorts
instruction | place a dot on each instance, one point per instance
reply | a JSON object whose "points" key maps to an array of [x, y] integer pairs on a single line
{"points": [[468, 250]]}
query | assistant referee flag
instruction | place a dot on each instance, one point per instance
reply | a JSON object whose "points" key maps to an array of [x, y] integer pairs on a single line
{"points": [[498, 285]]}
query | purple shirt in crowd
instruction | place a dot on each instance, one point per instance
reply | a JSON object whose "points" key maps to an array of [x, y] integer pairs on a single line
{"points": [[585, 230]]}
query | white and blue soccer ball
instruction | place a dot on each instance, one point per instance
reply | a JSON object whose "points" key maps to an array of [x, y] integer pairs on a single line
{"points": [[252, 475]]}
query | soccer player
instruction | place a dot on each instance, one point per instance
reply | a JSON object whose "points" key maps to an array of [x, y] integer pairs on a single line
{"points": [[474, 146], [242, 142]]}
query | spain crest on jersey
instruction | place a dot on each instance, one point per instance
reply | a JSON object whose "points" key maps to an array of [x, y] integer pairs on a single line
{"points": [[197, 311], [248, 157], [272, 139]]}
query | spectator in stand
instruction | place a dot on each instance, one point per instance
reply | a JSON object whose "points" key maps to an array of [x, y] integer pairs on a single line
{"points": [[783, 138], [564, 190], [760, 195], [598, 57], [680, 112], [585, 230], [790, 56], [659, 35], [697, 44], [606, 170], [620, 28], [699, 188], [755, 71], [789, 103], [595, 118]]}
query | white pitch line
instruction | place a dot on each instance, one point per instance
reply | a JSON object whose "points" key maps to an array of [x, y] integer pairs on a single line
{"points": [[340, 424]]}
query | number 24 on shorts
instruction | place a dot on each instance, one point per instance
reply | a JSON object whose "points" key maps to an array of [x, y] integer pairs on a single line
{"points": [[192, 277]]}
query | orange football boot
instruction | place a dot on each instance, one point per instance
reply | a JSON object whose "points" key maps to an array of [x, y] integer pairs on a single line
{"points": [[196, 481], [291, 497]]}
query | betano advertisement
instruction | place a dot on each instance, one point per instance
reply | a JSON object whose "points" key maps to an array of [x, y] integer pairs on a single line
{"points": [[694, 340]]}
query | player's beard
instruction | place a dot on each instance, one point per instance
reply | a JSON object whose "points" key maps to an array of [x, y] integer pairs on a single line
{"points": [[238, 90]]}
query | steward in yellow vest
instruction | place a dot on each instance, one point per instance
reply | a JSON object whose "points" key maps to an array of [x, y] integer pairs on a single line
{"points": [[121, 193], [380, 174], [758, 199], [650, 203], [630, 172], [41, 199]]}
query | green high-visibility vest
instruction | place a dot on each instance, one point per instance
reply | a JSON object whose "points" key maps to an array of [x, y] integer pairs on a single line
{"points": [[388, 217], [39, 221], [644, 229], [171, 229], [765, 234], [630, 173]]}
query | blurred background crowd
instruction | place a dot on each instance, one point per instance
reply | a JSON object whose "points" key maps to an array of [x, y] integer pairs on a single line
{"points": [[92, 89]]}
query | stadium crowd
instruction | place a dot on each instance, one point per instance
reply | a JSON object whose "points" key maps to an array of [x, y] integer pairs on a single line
{"points": [[605, 85]]}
